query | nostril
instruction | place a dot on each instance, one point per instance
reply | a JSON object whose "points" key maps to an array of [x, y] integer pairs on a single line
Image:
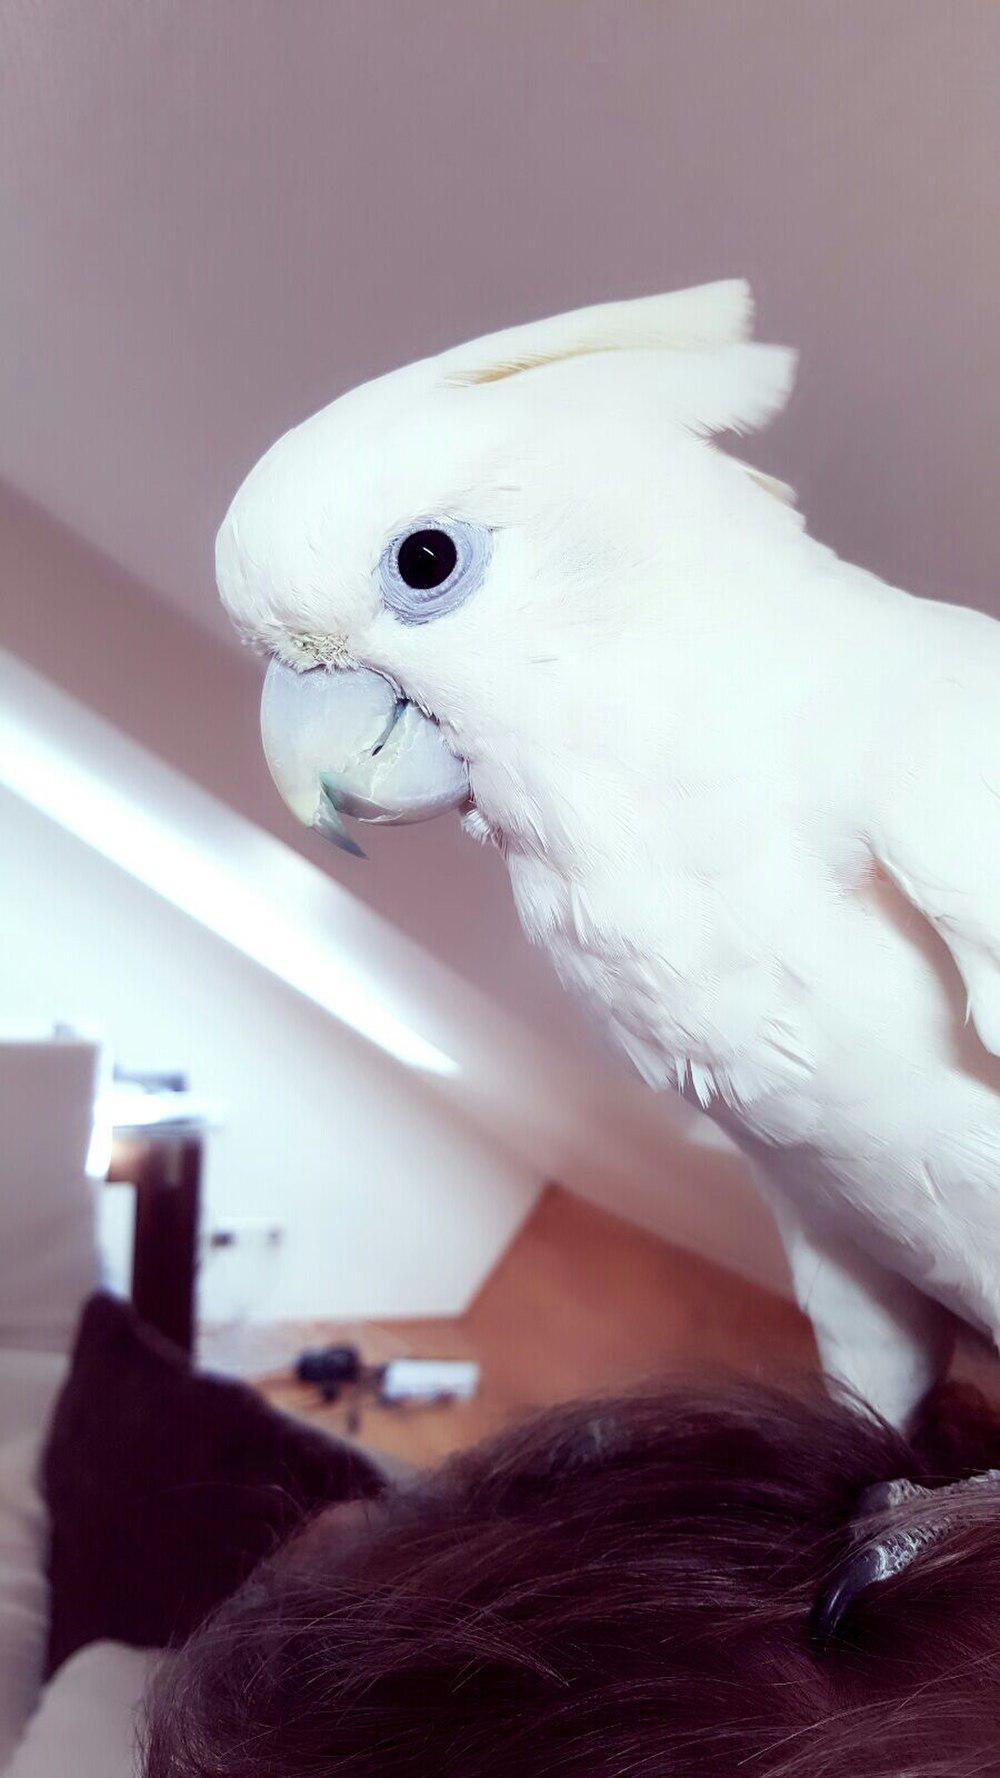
{"points": [[316, 649]]}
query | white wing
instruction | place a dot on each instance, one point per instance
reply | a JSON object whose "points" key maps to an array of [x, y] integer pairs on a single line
{"points": [[939, 832]]}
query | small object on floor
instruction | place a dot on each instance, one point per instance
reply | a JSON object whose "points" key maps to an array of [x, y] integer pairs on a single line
{"points": [[329, 1366], [403, 1381], [428, 1380]]}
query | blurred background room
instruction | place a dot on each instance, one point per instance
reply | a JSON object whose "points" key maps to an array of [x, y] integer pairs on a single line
{"points": [[330, 1104]]}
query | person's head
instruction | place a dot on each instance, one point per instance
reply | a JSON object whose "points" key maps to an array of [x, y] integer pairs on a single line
{"points": [[619, 1590]]}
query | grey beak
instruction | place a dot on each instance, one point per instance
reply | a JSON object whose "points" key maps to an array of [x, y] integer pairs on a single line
{"points": [[341, 742]]}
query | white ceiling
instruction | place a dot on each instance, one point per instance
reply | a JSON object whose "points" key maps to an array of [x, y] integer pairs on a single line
{"points": [[216, 214]]}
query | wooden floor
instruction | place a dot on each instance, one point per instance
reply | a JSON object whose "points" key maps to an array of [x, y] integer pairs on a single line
{"points": [[581, 1303]]}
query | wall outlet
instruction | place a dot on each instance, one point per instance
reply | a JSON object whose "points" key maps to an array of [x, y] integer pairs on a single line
{"points": [[242, 1255], [248, 1233]]}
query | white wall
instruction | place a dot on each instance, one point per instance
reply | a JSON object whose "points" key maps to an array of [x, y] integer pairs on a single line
{"points": [[216, 217], [391, 1204]]}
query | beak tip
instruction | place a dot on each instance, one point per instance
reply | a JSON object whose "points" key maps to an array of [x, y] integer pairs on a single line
{"points": [[329, 821]]}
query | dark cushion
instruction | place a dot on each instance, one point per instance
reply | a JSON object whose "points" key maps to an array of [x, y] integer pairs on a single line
{"points": [[166, 1487]]}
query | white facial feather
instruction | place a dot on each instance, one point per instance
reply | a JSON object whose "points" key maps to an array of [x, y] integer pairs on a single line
{"points": [[575, 439]]}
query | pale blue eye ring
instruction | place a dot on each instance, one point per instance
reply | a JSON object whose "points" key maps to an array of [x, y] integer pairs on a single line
{"points": [[433, 567]]}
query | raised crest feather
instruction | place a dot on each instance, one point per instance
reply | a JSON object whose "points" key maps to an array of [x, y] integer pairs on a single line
{"points": [[691, 347], [703, 318]]}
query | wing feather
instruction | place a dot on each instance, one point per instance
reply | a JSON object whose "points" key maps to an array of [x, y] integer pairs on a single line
{"points": [[939, 837]]}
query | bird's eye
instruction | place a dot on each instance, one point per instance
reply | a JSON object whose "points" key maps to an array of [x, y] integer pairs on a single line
{"points": [[433, 567], [425, 559]]}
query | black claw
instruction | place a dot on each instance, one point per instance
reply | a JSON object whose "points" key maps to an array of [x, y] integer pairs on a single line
{"points": [[878, 1560], [861, 1570]]}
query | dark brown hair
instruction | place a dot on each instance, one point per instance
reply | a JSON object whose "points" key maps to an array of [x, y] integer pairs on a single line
{"points": [[618, 1590]]}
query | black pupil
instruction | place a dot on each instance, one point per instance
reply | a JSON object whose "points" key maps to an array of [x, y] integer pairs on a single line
{"points": [[425, 559]]}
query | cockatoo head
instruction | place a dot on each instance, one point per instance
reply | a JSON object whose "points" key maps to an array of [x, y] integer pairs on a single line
{"points": [[457, 567]]}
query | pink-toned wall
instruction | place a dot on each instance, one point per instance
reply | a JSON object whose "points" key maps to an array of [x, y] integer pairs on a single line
{"points": [[217, 215]]}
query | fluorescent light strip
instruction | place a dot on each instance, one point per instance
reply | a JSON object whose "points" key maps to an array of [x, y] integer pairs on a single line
{"points": [[217, 897]]}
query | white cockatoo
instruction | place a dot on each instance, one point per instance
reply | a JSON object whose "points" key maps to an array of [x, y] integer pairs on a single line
{"points": [[749, 794]]}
